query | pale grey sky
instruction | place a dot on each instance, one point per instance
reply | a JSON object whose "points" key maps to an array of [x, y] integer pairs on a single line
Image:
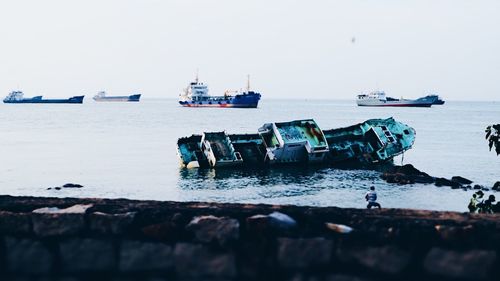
{"points": [[291, 49]]}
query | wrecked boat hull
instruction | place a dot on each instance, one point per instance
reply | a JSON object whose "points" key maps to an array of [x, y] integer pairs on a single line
{"points": [[299, 142]]}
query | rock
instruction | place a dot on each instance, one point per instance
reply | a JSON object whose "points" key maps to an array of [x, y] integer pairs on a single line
{"points": [[304, 253], [195, 261], [72, 185], [258, 223], [386, 259], [339, 228], [477, 186], [473, 264], [209, 228], [110, 223], [55, 221], [461, 180], [27, 256], [446, 182], [282, 221], [485, 189], [406, 174], [15, 223], [87, 255], [343, 277], [496, 186], [142, 256]]}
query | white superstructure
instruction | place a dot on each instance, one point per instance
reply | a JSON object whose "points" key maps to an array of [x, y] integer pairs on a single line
{"points": [[196, 91]]}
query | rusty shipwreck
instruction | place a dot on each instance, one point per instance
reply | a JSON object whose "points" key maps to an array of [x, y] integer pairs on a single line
{"points": [[298, 142]]}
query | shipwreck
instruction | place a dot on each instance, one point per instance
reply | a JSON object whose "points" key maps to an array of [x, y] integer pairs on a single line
{"points": [[298, 142]]}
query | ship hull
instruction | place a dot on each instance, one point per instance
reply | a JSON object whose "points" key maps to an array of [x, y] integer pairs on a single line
{"points": [[239, 101], [299, 142], [72, 100], [399, 104], [132, 98]]}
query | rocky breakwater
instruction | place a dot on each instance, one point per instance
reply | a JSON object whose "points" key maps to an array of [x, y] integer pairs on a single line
{"points": [[100, 239]]}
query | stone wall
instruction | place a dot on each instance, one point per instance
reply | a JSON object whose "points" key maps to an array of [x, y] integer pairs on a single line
{"points": [[99, 239]]}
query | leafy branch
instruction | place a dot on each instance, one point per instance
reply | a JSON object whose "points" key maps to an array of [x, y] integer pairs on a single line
{"points": [[493, 137]]}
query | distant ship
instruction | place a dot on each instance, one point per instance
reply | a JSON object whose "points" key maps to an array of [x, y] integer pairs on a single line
{"points": [[196, 95], [101, 96], [378, 98], [438, 100], [18, 97]]}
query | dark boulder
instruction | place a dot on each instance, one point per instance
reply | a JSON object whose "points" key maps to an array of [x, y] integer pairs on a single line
{"points": [[461, 180], [496, 186], [406, 174], [72, 185], [446, 182]]}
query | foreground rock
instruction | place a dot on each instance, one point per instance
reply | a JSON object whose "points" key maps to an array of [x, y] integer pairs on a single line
{"points": [[405, 175], [99, 239]]}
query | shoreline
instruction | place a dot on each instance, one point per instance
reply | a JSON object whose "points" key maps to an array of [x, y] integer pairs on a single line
{"points": [[102, 239]]}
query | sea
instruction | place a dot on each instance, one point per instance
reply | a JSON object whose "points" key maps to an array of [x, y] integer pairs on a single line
{"points": [[128, 150]]}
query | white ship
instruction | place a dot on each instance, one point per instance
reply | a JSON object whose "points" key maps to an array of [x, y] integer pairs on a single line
{"points": [[378, 98], [101, 96]]}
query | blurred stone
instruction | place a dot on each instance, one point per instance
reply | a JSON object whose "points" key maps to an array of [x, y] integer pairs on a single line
{"points": [[343, 277], [15, 223], [195, 260], [282, 221], [27, 256], [386, 259], [474, 264], [258, 223], [55, 221], [339, 228], [304, 253], [496, 186], [143, 256], [87, 255], [110, 223], [209, 228], [171, 229]]}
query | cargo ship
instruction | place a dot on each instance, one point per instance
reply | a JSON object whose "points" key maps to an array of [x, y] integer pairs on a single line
{"points": [[299, 142], [101, 96], [196, 95], [379, 98], [438, 100], [18, 97]]}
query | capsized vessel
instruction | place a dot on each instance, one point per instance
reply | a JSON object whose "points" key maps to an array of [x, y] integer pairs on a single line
{"points": [[101, 96], [379, 98], [18, 97], [196, 95], [298, 142]]}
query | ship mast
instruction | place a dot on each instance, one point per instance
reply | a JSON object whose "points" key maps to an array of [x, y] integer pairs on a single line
{"points": [[248, 83], [197, 76]]}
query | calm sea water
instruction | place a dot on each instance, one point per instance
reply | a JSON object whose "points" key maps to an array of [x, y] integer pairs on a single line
{"points": [[127, 150]]}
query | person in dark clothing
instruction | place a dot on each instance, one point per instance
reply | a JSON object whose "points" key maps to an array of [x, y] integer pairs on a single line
{"points": [[487, 205], [371, 197]]}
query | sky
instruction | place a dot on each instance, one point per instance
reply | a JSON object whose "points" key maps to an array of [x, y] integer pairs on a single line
{"points": [[290, 49]]}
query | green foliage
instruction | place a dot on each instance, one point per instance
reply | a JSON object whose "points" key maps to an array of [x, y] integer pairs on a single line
{"points": [[493, 137]]}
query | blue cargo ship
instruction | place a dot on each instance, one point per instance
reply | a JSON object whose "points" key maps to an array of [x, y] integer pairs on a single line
{"points": [[18, 97], [196, 95]]}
